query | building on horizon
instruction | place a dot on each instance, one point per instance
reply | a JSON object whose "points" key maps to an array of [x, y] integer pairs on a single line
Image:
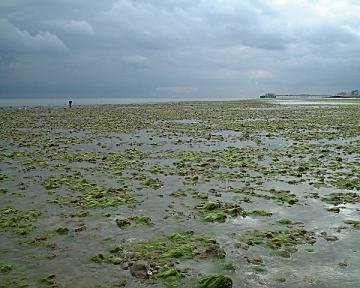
{"points": [[268, 95]]}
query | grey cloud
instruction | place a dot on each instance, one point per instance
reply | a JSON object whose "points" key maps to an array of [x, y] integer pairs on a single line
{"points": [[330, 33], [182, 47], [136, 61], [146, 25], [177, 89], [13, 39], [78, 26]]}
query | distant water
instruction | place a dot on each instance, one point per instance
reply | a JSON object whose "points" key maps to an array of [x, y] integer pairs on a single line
{"points": [[348, 101], [58, 102]]}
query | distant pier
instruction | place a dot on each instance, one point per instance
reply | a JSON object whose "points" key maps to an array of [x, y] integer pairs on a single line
{"points": [[297, 96]]}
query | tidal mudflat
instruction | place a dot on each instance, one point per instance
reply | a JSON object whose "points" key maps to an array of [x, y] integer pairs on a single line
{"points": [[193, 194]]}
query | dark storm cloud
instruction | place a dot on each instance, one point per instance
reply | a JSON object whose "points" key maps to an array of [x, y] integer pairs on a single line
{"points": [[206, 48]]}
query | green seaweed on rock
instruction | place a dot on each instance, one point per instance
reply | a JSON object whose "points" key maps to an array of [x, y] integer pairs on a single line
{"points": [[283, 242], [216, 211], [215, 281]]}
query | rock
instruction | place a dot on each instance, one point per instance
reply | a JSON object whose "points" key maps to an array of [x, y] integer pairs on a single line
{"points": [[122, 222], [257, 260], [140, 269], [343, 264], [80, 228], [241, 245], [129, 255], [352, 222], [124, 265], [119, 283], [331, 238], [334, 209], [214, 251]]}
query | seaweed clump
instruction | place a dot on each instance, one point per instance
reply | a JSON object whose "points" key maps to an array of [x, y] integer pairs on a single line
{"points": [[138, 219], [341, 198], [156, 258], [215, 211], [215, 281], [18, 222], [283, 242]]}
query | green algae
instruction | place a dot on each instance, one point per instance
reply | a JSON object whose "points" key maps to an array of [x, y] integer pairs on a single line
{"points": [[48, 281], [214, 217], [141, 219], [3, 177], [284, 242], [3, 190], [80, 214], [162, 252], [115, 260], [114, 284], [22, 186], [230, 266], [151, 183], [256, 213], [6, 267], [170, 272], [42, 239], [122, 223], [179, 193], [165, 249], [215, 211], [278, 195], [354, 223], [115, 163], [186, 191], [348, 183], [283, 196], [13, 283], [17, 221], [237, 157], [341, 198], [284, 221], [181, 251], [98, 258], [138, 219], [3, 250], [157, 169], [62, 230], [92, 194], [215, 281]]}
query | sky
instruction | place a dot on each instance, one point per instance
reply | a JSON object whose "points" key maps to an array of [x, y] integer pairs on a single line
{"points": [[178, 48]]}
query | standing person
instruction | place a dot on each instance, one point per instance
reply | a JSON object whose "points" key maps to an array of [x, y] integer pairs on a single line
{"points": [[70, 103]]}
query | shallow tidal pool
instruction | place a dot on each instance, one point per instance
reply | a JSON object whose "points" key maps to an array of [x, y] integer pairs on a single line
{"points": [[193, 194]]}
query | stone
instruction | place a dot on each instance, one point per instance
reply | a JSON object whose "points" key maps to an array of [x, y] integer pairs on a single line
{"points": [[140, 269], [257, 260]]}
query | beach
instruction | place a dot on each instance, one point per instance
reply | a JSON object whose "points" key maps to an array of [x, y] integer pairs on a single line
{"points": [[257, 193]]}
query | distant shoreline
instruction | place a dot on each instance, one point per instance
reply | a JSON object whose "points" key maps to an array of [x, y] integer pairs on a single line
{"points": [[63, 102], [20, 103]]}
